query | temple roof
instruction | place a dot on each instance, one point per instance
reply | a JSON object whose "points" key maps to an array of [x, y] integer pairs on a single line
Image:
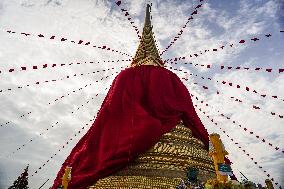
{"points": [[147, 53]]}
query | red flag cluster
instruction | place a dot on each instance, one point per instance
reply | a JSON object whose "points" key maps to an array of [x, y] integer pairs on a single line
{"points": [[81, 88], [241, 148], [269, 70], [24, 115], [223, 82], [222, 67], [244, 128], [25, 68], [25, 144], [242, 41], [47, 129], [250, 90], [61, 79], [62, 39], [126, 14], [181, 31], [238, 86], [63, 96], [62, 147]]}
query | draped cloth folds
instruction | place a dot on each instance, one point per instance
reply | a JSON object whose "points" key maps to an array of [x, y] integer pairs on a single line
{"points": [[142, 104]]}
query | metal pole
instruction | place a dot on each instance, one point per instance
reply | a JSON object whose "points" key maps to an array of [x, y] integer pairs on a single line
{"points": [[243, 175], [43, 184]]}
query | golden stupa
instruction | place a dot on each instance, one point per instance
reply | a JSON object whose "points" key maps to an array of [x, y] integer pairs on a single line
{"points": [[167, 163]]}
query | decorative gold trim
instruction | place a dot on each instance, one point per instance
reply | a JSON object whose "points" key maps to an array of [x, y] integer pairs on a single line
{"points": [[170, 158]]}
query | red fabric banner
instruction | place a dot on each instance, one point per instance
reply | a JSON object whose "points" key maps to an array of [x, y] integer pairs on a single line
{"points": [[142, 104]]}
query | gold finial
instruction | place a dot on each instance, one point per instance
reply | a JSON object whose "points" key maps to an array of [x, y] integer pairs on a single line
{"points": [[147, 53], [66, 177]]}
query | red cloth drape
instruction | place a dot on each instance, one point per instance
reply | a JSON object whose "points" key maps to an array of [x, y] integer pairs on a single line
{"points": [[142, 104]]}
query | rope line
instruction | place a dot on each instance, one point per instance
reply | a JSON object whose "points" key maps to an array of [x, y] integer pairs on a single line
{"points": [[240, 147], [244, 129], [185, 25], [64, 40], [221, 47], [54, 80], [246, 88], [37, 67], [63, 96]]}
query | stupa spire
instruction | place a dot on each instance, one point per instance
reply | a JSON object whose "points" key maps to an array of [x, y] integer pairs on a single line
{"points": [[147, 53]]}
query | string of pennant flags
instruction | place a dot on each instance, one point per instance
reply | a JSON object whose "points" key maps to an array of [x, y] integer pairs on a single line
{"points": [[222, 47], [37, 67], [63, 96], [246, 88], [60, 79], [234, 99], [64, 39], [30, 140], [245, 129], [81, 88], [131, 21], [238, 145], [231, 68], [22, 116], [66, 143], [52, 126], [195, 12], [63, 146]]}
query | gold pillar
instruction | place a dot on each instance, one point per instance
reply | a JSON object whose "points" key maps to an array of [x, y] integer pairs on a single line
{"points": [[66, 177], [218, 153]]}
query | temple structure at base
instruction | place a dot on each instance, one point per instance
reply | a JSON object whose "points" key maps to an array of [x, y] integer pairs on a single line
{"points": [[165, 165]]}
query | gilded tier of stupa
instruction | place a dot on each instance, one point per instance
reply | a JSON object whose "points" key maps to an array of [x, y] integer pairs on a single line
{"points": [[165, 165]]}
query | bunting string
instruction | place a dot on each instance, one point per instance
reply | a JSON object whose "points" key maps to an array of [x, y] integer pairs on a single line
{"points": [[237, 144], [31, 140], [64, 40], [231, 68], [234, 99], [221, 47], [8, 122], [246, 88], [37, 67], [54, 80], [182, 29], [63, 146], [81, 88], [132, 23], [261, 139], [63, 96], [52, 126], [127, 15]]}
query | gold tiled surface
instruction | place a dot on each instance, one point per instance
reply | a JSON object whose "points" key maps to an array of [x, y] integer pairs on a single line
{"points": [[126, 182], [165, 164]]}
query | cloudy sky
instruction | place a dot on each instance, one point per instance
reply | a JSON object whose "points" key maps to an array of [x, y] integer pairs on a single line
{"points": [[218, 23]]}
